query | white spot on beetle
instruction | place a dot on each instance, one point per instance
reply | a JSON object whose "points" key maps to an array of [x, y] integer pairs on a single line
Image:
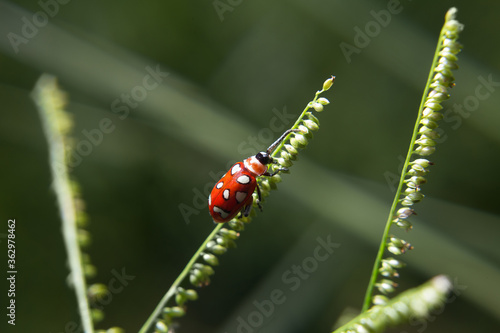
{"points": [[235, 169], [221, 212], [244, 179], [225, 194], [210, 199], [219, 185], [240, 196]]}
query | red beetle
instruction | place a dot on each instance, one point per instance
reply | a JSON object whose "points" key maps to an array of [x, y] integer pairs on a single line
{"points": [[233, 192]]}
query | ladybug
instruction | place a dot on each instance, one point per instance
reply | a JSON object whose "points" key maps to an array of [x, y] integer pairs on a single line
{"points": [[233, 192]]}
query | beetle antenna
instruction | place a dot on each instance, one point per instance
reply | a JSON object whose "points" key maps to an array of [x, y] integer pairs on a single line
{"points": [[281, 138]]}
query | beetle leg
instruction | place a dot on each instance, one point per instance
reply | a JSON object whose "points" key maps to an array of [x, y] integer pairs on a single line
{"points": [[273, 161], [275, 172], [260, 197], [248, 208]]}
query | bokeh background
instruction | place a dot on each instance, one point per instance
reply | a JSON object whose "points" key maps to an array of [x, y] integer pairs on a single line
{"points": [[230, 73]]}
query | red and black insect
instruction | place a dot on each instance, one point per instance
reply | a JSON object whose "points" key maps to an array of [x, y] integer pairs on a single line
{"points": [[233, 192]]}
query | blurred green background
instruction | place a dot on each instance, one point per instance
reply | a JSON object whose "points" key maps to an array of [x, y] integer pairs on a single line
{"points": [[230, 73]]}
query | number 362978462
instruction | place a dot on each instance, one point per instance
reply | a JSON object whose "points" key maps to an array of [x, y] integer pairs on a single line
{"points": [[11, 244]]}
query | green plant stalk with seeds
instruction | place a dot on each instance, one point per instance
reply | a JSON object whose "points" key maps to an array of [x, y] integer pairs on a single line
{"points": [[50, 102], [57, 125], [221, 238], [415, 302], [413, 174]]}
